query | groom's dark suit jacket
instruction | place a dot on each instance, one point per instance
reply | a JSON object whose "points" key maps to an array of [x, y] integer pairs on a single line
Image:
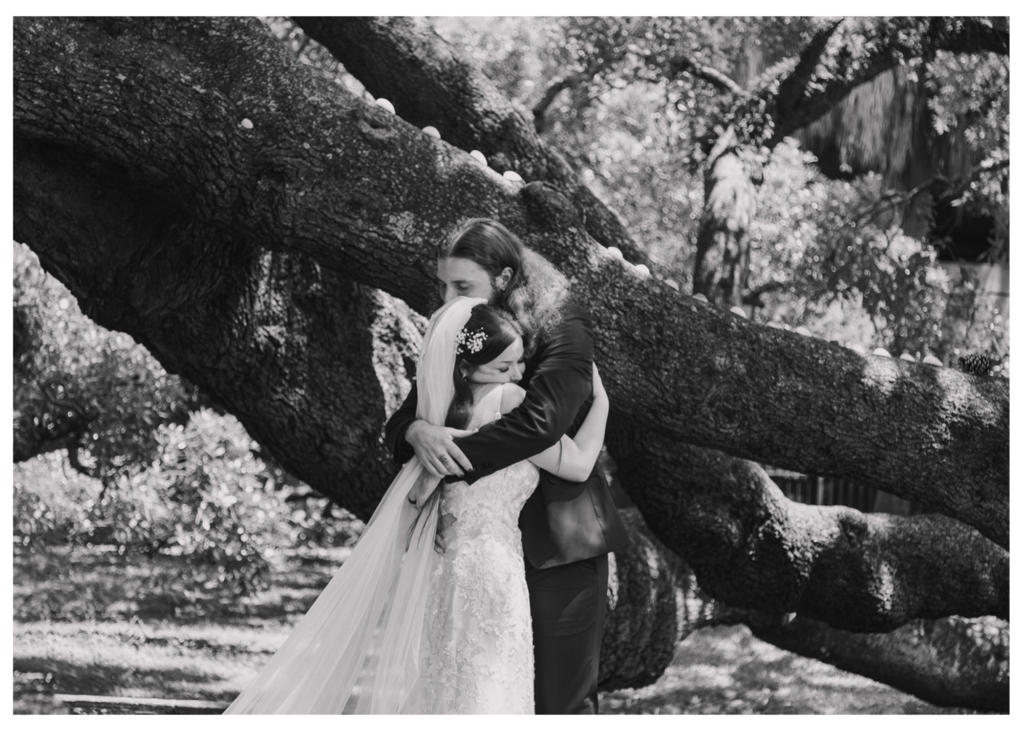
{"points": [[562, 521]]}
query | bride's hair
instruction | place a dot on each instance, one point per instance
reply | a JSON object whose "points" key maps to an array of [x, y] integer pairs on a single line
{"points": [[536, 291], [487, 334]]}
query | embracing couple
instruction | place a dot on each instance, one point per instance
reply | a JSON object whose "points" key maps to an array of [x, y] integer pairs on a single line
{"points": [[479, 585]]}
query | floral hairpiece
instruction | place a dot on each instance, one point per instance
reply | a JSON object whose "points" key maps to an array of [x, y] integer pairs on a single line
{"points": [[467, 342]]}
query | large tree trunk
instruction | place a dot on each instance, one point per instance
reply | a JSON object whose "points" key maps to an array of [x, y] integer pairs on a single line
{"points": [[722, 261], [159, 175], [653, 603]]}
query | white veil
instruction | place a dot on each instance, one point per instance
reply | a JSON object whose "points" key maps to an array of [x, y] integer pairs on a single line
{"points": [[357, 648]]}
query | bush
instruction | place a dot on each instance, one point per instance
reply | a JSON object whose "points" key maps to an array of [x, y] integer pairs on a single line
{"points": [[833, 247], [50, 504], [206, 497]]}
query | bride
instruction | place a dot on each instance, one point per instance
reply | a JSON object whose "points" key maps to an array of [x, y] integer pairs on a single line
{"points": [[430, 613]]}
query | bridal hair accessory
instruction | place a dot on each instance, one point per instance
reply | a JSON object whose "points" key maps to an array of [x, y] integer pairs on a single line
{"points": [[470, 342]]}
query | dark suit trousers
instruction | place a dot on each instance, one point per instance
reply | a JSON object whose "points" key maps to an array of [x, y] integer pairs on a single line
{"points": [[568, 605]]}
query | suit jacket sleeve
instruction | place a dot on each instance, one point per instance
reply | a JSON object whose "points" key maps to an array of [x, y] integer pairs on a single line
{"points": [[558, 389], [398, 425]]}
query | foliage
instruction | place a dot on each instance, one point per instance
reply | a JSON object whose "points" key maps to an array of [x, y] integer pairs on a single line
{"points": [[622, 152], [511, 51], [818, 242], [50, 503], [207, 470], [80, 386], [312, 53], [969, 108], [673, 55], [206, 497]]}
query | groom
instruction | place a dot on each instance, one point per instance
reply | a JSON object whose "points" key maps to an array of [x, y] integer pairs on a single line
{"points": [[568, 527]]}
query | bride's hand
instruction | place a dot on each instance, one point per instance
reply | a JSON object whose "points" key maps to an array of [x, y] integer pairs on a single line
{"points": [[423, 489], [436, 449]]}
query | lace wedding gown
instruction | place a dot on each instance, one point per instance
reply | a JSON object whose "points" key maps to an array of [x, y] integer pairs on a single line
{"points": [[401, 628], [477, 642]]}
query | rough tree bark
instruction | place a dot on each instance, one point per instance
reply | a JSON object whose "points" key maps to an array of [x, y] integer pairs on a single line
{"points": [[159, 175], [956, 661], [750, 546], [401, 59]]}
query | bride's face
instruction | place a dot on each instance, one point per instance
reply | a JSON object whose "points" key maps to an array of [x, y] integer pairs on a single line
{"points": [[458, 277], [506, 367]]}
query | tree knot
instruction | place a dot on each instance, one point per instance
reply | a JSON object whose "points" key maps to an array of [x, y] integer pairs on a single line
{"points": [[376, 124], [718, 409]]}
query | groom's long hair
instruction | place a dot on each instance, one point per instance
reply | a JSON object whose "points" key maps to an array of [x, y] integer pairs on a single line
{"points": [[536, 292]]}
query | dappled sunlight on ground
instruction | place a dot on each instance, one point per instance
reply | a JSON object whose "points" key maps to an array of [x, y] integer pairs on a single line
{"points": [[79, 630], [726, 670]]}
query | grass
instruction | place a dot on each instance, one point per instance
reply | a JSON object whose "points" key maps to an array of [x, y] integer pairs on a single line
{"points": [[91, 622]]}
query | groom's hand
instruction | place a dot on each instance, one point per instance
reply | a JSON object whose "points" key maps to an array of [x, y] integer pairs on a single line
{"points": [[436, 449]]}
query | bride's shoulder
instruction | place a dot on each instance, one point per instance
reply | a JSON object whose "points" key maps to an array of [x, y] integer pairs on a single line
{"points": [[512, 394]]}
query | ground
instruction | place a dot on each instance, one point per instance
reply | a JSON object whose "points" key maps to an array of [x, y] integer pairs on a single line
{"points": [[92, 622]]}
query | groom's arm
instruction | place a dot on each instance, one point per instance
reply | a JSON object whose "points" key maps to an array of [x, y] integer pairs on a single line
{"points": [[558, 389]]}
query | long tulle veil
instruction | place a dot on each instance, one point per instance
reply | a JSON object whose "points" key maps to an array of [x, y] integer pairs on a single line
{"points": [[357, 648]]}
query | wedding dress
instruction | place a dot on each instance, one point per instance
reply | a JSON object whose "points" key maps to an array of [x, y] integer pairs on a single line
{"points": [[478, 640], [402, 628]]}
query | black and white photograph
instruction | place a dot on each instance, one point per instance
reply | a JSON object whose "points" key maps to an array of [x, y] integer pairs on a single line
{"points": [[511, 364]]}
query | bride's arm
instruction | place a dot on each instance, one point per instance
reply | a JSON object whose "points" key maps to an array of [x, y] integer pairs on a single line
{"points": [[573, 459]]}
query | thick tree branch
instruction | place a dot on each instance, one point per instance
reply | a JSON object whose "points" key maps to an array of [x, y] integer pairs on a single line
{"points": [[808, 93], [569, 82], [685, 65], [751, 547], [401, 60], [794, 86], [366, 194]]}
